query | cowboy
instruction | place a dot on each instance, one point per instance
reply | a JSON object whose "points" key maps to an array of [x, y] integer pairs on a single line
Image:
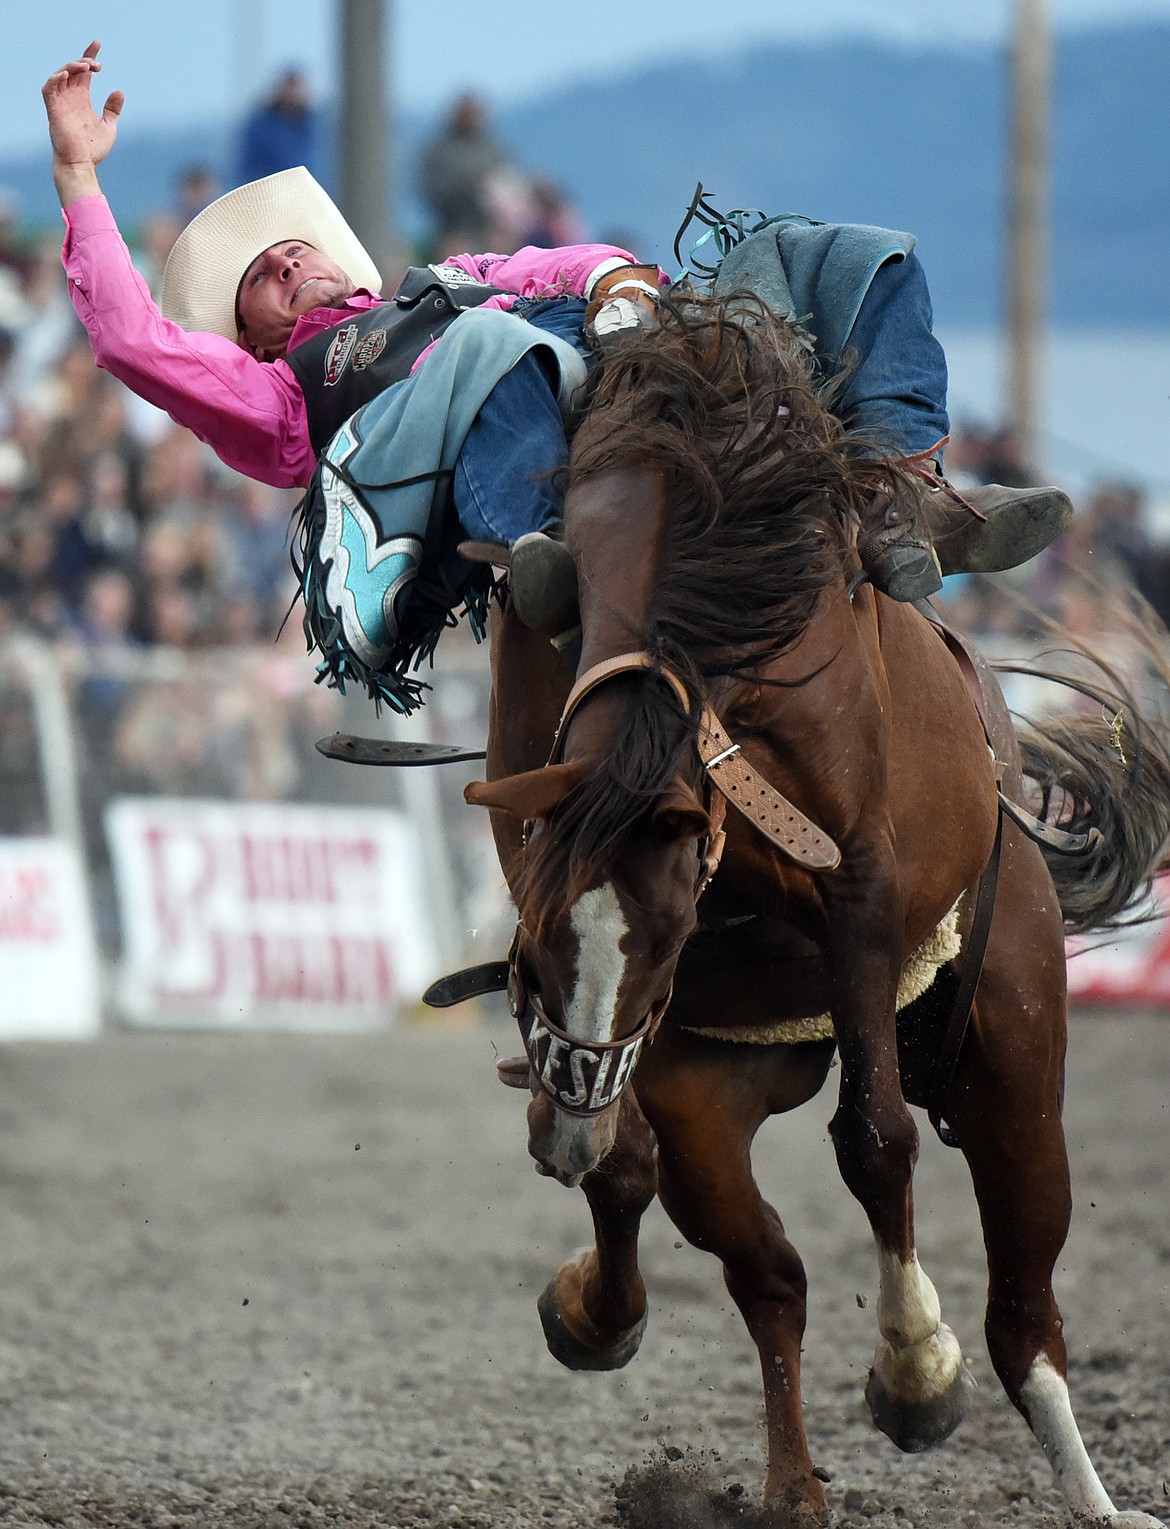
{"points": [[274, 346]]}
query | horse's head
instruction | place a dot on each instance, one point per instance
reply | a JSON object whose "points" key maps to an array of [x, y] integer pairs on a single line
{"points": [[706, 512], [593, 960]]}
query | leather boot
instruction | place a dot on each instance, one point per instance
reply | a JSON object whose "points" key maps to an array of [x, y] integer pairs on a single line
{"points": [[543, 581], [895, 552], [930, 530], [1019, 523]]}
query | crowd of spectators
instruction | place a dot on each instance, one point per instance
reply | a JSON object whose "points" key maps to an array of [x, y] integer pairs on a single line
{"points": [[115, 525]]}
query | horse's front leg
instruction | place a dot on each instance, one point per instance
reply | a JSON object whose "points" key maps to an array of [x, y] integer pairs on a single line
{"points": [[707, 1100], [594, 1311], [919, 1386]]}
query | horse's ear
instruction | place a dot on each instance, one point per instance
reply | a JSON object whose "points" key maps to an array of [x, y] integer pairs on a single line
{"points": [[679, 813], [529, 796]]}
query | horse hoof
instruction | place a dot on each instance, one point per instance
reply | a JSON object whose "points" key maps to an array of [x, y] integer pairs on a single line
{"points": [[919, 1395], [572, 1338], [798, 1507]]}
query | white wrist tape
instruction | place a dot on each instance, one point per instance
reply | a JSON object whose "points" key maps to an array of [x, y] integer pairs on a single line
{"points": [[616, 314], [638, 285], [613, 263]]}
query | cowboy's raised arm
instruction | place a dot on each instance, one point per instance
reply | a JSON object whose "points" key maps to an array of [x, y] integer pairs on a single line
{"points": [[252, 414], [81, 137]]}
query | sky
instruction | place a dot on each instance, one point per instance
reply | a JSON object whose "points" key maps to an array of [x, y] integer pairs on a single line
{"points": [[180, 62]]}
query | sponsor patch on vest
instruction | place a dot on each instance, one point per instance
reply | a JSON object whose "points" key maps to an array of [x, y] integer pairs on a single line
{"points": [[454, 276], [369, 350], [338, 354]]}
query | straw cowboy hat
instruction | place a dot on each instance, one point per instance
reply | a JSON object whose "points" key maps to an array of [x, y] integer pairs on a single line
{"points": [[209, 258]]}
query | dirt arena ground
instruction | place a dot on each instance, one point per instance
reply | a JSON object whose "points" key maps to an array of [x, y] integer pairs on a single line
{"points": [[273, 1283]]}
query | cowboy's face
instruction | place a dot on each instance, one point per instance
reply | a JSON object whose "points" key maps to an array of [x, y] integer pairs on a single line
{"points": [[282, 284]]}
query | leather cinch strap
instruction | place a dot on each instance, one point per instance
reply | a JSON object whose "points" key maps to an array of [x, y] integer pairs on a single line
{"points": [[984, 690], [997, 727]]}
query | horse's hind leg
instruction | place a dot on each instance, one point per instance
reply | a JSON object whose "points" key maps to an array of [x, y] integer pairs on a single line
{"points": [[594, 1311], [706, 1101], [1005, 1109]]}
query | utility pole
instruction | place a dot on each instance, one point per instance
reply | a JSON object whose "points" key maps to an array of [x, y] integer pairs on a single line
{"points": [[364, 126], [1027, 276], [247, 49]]}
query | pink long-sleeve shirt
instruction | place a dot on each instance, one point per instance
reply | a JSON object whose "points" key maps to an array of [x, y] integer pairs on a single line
{"points": [[252, 413]]}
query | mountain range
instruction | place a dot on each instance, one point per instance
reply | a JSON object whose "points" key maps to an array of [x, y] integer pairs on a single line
{"points": [[851, 130]]}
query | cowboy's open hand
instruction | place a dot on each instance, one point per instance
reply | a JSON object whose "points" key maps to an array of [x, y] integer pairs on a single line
{"points": [[80, 137]]}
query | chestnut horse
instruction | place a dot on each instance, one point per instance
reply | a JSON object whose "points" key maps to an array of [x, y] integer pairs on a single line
{"points": [[711, 512]]}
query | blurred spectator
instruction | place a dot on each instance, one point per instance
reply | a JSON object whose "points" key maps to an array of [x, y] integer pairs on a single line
{"points": [[1117, 513], [107, 611], [111, 527], [256, 568], [103, 628], [14, 258], [281, 132], [7, 389], [479, 200], [156, 238], [554, 220], [162, 742], [462, 169], [62, 501], [197, 189], [49, 324], [36, 601], [981, 455]]}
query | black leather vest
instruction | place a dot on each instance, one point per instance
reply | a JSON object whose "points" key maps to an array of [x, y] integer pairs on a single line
{"points": [[344, 367]]}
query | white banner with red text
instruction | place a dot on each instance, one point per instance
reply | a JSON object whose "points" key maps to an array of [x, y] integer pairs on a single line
{"points": [[1127, 966], [268, 915], [49, 981]]}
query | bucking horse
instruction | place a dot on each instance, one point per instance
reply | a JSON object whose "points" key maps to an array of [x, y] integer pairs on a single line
{"points": [[775, 816]]}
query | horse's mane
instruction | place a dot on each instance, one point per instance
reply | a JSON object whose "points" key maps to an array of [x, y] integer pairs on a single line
{"points": [[761, 476], [760, 479]]}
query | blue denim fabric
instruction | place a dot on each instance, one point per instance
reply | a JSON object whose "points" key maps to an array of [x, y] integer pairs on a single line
{"points": [[563, 316], [896, 394], [504, 478]]}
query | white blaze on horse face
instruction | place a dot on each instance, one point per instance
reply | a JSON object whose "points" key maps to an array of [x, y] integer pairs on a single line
{"points": [[597, 920], [578, 1142]]}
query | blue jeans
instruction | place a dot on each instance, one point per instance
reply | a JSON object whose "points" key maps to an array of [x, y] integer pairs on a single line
{"points": [[507, 475], [896, 393]]}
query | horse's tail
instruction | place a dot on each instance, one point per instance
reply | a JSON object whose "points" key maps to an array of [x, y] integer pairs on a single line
{"points": [[1107, 767]]}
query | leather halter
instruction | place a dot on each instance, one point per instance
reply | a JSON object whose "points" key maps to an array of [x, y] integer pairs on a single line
{"points": [[586, 1077]]}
